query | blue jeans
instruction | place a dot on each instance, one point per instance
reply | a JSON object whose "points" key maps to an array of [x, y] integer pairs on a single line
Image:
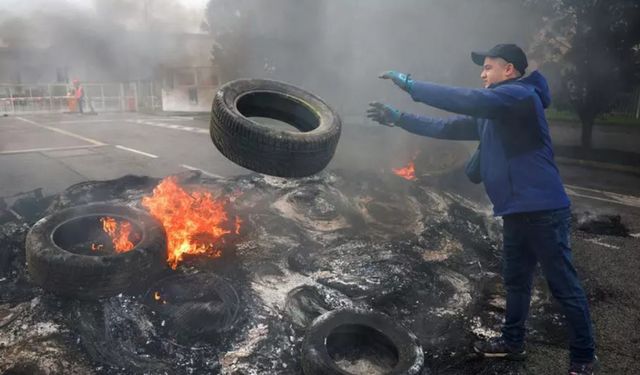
{"points": [[543, 237]]}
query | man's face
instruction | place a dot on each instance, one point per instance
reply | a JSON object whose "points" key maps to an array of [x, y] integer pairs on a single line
{"points": [[495, 70]]}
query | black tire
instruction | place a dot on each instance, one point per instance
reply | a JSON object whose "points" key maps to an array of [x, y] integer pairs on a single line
{"points": [[265, 149], [200, 306], [94, 276], [316, 359]]}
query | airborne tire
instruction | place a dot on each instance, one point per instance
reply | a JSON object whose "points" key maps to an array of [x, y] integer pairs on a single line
{"points": [[265, 149], [94, 276]]}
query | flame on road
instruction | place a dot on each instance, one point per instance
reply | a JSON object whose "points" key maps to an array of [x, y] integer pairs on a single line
{"points": [[408, 172]]}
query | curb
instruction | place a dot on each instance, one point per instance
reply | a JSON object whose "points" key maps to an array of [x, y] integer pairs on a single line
{"points": [[174, 113], [599, 165]]}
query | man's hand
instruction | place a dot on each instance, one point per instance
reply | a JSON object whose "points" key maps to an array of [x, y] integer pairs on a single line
{"points": [[383, 114], [403, 81]]}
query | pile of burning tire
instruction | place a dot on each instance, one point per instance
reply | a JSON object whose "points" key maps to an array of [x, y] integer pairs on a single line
{"points": [[324, 277], [63, 258]]}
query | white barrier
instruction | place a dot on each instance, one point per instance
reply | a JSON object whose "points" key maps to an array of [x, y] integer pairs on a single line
{"points": [[55, 98]]}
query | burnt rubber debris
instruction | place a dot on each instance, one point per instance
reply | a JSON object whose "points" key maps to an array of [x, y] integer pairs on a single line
{"points": [[293, 251]]}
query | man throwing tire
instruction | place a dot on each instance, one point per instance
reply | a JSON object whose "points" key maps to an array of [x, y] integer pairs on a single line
{"points": [[515, 163]]}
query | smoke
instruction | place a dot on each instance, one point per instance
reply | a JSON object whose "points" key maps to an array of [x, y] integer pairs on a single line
{"points": [[37, 16], [333, 48], [337, 49], [121, 37]]}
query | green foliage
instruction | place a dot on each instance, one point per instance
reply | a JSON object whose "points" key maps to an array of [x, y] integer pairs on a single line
{"points": [[593, 48], [569, 116]]}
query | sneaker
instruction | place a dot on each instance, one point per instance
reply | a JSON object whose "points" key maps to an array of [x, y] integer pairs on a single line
{"points": [[581, 368], [497, 348]]}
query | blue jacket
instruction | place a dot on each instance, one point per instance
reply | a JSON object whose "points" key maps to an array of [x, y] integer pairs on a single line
{"points": [[516, 156]]}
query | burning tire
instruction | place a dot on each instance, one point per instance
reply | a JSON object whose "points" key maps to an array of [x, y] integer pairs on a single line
{"points": [[70, 253], [267, 149], [375, 342]]}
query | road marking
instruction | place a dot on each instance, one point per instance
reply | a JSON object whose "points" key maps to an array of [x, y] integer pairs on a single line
{"points": [[17, 215], [67, 133], [137, 151], [597, 242], [610, 197], [116, 120], [190, 129], [79, 121], [179, 118], [47, 149], [635, 235], [594, 190], [571, 192], [201, 170]]}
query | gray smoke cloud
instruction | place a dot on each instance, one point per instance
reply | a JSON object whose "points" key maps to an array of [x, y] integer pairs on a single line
{"points": [[337, 49], [333, 48], [120, 36]]}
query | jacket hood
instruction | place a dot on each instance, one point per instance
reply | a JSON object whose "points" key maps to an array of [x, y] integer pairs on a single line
{"points": [[539, 84]]}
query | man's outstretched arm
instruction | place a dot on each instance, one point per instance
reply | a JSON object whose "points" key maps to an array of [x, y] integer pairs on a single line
{"points": [[461, 128], [484, 103]]}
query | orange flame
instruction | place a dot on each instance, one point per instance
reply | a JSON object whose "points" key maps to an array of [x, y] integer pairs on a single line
{"points": [[96, 246], [119, 233], [193, 221], [408, 172]]}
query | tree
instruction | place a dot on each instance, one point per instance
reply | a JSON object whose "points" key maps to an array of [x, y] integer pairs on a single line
{"points": [[597, 44], [229, 27], [275, 39]]}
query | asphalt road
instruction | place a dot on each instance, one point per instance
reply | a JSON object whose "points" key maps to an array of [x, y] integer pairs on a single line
{"points": [[55, 151]]}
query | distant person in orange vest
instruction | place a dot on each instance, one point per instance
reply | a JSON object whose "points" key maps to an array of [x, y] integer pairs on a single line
{"points": [[79, 94], [71, 100]]}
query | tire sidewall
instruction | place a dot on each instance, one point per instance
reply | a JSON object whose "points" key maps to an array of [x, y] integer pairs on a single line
{"points": [[316, 359], [67, 273], [266, 149], [230, 93]]}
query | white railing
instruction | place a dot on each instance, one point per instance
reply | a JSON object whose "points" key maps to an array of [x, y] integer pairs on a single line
{"points": [[99, 97]]}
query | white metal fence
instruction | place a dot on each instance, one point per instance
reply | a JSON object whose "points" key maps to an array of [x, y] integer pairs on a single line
{"points": [[142, 95], [99, 97]]}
